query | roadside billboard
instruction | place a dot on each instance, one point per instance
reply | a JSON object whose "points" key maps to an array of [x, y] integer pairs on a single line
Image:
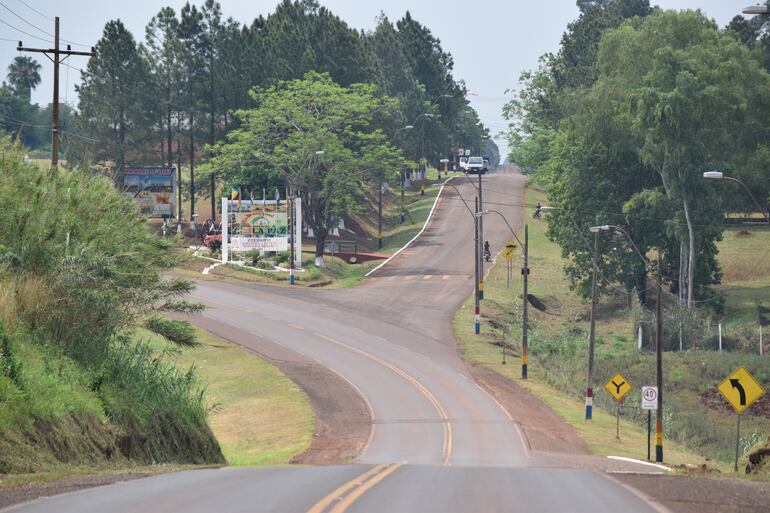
{"points": [[258, 224], [153, 188]]}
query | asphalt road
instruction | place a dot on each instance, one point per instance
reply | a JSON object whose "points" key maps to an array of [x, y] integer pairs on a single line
{"points": [[438, 441]]}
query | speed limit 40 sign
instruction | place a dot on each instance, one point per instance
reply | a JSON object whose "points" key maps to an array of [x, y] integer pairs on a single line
{"points": [[649, 398]]}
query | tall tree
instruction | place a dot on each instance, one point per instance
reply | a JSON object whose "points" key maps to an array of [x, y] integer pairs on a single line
{"points": [[316, 137], [191, 36], [112, 94], [211, 39], [24, 76], [163, 49]]}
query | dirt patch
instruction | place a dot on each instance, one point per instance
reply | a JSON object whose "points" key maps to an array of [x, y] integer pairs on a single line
{"points": [[342, 419], [743, 233], [714, 400], [685, 494], [544, 429]]}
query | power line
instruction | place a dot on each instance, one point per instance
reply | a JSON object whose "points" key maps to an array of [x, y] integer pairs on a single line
{"points": [[25, 32], [38, 28], [25, 21], [25, 4]]}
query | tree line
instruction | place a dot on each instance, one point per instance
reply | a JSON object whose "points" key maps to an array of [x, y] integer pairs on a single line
{"points": [[621, 123], [170, 98]]}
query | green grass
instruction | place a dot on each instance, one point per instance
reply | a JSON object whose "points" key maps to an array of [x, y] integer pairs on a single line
{"points": [[260, 417], [558, 347], [746, 272]]}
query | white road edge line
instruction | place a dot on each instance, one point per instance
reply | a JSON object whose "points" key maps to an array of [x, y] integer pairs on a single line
{"points": [[651, 502], [368, 407], [427, 222], [640, 462], [522, 438]]}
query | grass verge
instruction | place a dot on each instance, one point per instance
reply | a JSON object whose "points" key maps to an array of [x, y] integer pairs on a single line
{"points": [[698, 427], [260, 416]]}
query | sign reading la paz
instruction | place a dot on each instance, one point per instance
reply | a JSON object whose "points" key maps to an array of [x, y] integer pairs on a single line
{"points": [[741, 389], [618, 387]]}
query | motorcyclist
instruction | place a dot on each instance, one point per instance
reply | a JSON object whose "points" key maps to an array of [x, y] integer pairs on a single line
{"points": [[536, 214]]}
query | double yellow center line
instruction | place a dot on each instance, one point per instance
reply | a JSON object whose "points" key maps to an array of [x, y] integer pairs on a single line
{"points": [[348, 493]]}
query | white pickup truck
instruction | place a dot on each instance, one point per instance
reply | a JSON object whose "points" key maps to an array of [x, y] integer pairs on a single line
{"points": [[475, 165]]}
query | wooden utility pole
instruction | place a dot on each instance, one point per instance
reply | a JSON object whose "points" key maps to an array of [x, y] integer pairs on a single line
{"points": [[57, 56]]}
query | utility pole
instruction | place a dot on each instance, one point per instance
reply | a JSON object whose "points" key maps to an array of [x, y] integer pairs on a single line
{"points": [[291, 227], [481, 242], [659, 368], [476, 217], [379, 215], [592, 334], [524, 319], [57, 56]]}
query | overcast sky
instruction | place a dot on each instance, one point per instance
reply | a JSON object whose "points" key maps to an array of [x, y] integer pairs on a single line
{"points": [[491, 41]]}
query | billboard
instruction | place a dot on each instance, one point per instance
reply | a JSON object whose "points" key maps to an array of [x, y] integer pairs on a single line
{"points": [[152, 188], [258, 225]]}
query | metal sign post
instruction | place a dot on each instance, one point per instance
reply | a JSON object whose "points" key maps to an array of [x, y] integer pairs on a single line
{"points": [[649, 403], [740, 389], [618, 387]]}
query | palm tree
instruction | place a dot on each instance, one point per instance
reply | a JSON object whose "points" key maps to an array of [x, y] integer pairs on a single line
{"points": [[24, 76]]}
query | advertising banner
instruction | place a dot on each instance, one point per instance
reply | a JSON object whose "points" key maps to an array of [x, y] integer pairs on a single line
{"points": [[153, 188], [258, 225]]}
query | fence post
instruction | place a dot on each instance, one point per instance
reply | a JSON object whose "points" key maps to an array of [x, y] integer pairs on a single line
{"points": [[720, 336], [639, 337]]}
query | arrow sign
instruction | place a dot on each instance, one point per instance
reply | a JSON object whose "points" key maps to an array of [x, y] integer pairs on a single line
{"points": [[737, 384], [740, 389]]}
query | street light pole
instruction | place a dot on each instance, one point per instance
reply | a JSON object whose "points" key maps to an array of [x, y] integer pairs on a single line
{"points": [[477, 317], [481, 242], [659, 368], [524, 318], [379, 216], [592, 330], [718, 175]]}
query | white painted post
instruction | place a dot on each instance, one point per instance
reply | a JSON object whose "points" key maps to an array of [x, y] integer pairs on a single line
{"points": [[639, 338], [298, 232], [720, 336], [225, 238]]}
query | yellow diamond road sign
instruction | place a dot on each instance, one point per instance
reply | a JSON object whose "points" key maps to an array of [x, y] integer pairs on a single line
{"points": [[618, 387], [741, 389], [508, 250]]}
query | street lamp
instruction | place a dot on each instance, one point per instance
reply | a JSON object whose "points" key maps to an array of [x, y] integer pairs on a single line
{"points": [[403, 178], [718, 175], [756, 9], [658, 341], [592, 329], [525, 276]]}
